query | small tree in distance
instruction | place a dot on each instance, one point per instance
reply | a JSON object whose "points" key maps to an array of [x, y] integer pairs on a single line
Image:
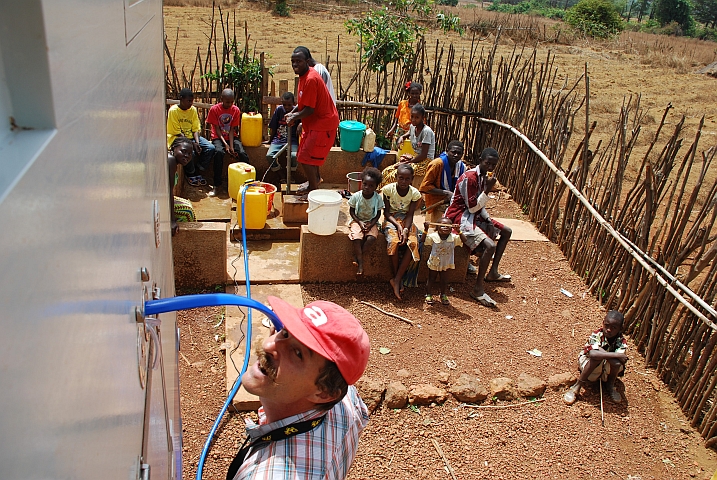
{"points": [[595, 18], [679, 11]]}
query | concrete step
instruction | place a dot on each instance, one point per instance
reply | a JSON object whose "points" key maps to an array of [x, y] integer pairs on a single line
{"points": [[270, 262], [235, 324]]}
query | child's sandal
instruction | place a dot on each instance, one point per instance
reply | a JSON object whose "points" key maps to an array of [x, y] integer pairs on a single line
{"points": [[444, 300], [429, 299]]}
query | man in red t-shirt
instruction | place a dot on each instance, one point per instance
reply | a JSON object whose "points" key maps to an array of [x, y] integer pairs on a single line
{"points": [[318, 115], [224, 118]]}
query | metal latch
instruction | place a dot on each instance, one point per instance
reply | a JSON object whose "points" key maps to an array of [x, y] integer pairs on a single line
{"points": [[144, 471]]}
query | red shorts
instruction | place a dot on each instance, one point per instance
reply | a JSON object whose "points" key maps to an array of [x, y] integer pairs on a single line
{"points": [[315, 146]]}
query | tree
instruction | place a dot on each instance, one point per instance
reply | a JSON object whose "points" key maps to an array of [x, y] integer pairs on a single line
{"points": [[706, 12], [679, 11], [595, 18]]}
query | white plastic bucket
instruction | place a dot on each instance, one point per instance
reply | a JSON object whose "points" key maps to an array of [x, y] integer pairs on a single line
{"points": [[323, 211]]}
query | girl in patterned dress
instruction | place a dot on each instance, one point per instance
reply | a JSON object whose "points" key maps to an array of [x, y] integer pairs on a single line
{"points": [[443, 243]]}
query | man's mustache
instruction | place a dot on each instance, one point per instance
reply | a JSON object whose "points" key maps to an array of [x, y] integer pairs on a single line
{"points": [[266, 363]]}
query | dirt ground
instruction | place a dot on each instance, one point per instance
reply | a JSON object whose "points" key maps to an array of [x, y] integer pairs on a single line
{"points": [[647, 437]]}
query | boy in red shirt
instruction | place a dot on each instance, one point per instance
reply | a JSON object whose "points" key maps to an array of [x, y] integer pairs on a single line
{"points": [[224, 118], [318, 115]]}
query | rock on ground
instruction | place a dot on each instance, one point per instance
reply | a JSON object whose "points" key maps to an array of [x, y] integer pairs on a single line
{"points": [[529, 386], [503, 388], [371, 392], [425, 394], [468, 389], [403, 373], [396, 395], [561, 380]]}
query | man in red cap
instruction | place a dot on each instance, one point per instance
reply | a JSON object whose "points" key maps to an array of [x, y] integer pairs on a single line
{"points": [[311, 415]]}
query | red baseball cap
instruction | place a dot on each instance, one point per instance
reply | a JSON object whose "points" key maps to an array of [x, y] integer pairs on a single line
{"points": [[329, 330]]}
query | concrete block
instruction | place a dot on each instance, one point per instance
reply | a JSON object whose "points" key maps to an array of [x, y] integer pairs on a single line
{"points": [[199, 251], [327, 258], [294, 210], [338, 164]]}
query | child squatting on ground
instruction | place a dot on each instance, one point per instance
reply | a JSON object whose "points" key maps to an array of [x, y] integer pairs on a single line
{"points": [[603, 358], [442, 242], [365, 208], [401, 200]]}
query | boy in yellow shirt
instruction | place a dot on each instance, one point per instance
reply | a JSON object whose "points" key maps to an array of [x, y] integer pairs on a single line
{"points": [[183, 120]]}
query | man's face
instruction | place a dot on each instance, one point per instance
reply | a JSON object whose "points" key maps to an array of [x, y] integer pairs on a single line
{"points": [[186, 102], [285, 372], [299, 63], [454, 154], [611, 327], [488, 164]]}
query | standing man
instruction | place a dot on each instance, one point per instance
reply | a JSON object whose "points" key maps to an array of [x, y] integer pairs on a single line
{"points": [[311, 417], [440, 180], [224, 119], [468, 209], [183, 120], [319, 117]]}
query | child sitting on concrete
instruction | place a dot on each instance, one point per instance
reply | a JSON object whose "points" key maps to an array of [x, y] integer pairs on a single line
{"points": [[442, 242], [603, 358], [401, 200], [365, 209]]}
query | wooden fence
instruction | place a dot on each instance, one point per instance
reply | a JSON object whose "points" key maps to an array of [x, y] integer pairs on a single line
{"points": [[639, 246]]}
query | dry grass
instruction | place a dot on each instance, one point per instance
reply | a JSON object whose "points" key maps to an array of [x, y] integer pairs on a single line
{"points": [[199, 3], [681, 53]]}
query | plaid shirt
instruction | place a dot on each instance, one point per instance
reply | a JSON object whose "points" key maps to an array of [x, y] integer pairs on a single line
{"points": [[597, 340], [325, 452]]}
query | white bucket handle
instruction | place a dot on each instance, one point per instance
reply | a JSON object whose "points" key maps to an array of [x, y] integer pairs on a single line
{"points": [[309, 210]]}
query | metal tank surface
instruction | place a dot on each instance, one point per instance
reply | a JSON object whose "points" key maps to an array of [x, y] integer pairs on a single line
{"points": [[88, 387]]}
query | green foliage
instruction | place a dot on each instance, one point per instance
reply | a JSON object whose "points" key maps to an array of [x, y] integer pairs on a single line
{"points": [[244, 76], [386, 38], [448, 21], [706, 34], [387, 33], [668, 11], [529, 7], [282, 8], [706, 12], [450, 3], [595, 18]]}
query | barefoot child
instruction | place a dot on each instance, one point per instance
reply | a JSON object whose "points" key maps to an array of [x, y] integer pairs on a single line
{"points": [[365, 209], [603, 358], [401, 200], [443, 242]]}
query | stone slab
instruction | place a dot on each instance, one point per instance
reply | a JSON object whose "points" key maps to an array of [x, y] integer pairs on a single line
{"points": [[269, 262], [522, 230], [200, 268], [336, 251], [236, 333]]}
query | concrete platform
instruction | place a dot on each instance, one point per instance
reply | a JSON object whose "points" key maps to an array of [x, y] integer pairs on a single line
{"points": [[269, 262], [208, 209], [338, 164], [523, 231], [327, 258], [235, 325]]}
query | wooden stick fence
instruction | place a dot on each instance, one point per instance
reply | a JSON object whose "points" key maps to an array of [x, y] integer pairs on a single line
{"points": [[639, 231]]}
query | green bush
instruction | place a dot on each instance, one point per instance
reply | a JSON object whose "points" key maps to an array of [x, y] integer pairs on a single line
{"points": [[529, 7], [282, 9], [668, 11], [595, 18], [450, 3]]}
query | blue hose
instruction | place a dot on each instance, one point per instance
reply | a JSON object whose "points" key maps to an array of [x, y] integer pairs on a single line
{"points": [[153, 307]]}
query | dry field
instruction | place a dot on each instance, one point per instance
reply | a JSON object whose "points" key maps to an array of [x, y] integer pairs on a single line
{"points": [[659, 68]]}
